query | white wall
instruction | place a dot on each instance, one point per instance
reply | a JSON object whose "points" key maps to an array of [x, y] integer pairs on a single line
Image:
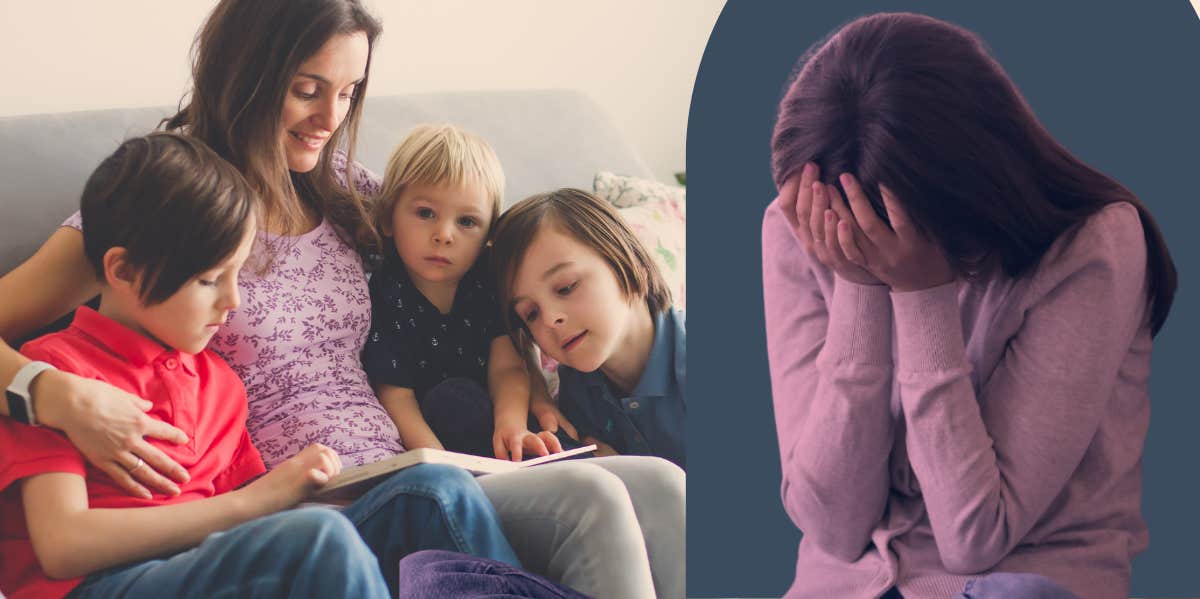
{"points": [[638, 59]]}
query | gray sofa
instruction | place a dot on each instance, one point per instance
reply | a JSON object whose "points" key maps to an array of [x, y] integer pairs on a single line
{"points": [[545, 139]]}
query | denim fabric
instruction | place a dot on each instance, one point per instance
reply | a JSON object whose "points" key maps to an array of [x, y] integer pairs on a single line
{"points": [[448, 575], [310, 552], [1005, 585], [428, 506]]}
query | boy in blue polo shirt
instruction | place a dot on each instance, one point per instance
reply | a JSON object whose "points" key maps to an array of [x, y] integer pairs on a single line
{"points": [[575, 280]]}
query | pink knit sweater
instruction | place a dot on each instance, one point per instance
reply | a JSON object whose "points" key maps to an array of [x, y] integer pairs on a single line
{"points": [[930, 436]]}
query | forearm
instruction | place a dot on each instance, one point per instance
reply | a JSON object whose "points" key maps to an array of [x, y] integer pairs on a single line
{"points": [[49, 409], [401, 405], [510, 388], [829, 345], [835, 453], [991, 466], [74, 540], [10, 362]]}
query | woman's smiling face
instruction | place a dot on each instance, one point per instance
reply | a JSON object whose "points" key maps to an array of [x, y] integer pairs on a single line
{"points": [[320, 96]]}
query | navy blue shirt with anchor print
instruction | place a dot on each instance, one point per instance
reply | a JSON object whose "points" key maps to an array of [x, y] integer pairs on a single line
{"points": [[413, 345]]}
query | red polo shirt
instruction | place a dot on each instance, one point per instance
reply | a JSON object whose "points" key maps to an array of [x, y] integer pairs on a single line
{"points": [[199, 394]]}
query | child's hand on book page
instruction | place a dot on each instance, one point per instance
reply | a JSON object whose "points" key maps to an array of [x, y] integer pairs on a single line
{"points": [[550, 418], [602, 448], [512, 443], [294, 479]]}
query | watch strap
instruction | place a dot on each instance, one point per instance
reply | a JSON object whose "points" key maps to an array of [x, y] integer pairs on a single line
{"points": [[20, 400]]}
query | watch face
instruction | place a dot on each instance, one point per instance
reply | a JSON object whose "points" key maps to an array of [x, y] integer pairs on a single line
{"points": [[18, 407]]}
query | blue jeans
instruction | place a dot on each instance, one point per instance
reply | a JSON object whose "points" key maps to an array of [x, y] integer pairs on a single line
{"points": [[428, 506], [320, 552], [310, 552]]}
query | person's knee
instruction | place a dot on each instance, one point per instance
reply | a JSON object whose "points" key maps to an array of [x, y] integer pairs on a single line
{"points": [[669, 479], [316, 530], [447, 484], [587, 486]]}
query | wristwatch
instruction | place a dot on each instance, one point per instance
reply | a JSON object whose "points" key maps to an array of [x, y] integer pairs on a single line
{"points": [[20, 404]]}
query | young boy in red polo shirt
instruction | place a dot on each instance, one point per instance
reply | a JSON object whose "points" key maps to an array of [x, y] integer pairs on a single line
{"points": [[169, 225]]}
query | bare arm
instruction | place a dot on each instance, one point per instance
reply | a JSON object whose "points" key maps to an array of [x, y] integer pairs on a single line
{"points": [[70, 539], [51, 283], [106, 424], [401, 405]]}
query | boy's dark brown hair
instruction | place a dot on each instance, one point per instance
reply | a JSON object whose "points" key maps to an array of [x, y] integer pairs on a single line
{"points": [[590, 221], [176, 207]]}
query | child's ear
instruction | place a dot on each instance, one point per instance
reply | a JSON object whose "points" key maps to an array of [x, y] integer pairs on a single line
{"points": [[118, 273]]}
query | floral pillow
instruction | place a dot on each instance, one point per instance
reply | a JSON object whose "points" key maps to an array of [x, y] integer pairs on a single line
{"points": [[657, 213], [625, 192]]}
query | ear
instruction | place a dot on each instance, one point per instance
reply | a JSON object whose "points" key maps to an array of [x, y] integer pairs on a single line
{"points": [[118, 274]]}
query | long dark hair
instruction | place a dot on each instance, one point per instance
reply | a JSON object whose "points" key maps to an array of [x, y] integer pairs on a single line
{"points": [[919, 105], [244, 59]]}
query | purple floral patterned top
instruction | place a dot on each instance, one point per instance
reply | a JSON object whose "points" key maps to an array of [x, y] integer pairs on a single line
{"points": [[295, 342]]}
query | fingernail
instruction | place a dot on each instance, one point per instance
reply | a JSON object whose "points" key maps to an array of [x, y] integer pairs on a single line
{"points": [[844, 178]]}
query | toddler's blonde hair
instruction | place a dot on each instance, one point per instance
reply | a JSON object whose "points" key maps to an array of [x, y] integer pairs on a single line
{"points": [[440, 155]]}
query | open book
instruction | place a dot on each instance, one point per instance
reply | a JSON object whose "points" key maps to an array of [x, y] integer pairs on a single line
{"points": [[353, 482]]}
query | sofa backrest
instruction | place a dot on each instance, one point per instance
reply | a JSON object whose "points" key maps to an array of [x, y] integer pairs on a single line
{"points": [[545, 139]]}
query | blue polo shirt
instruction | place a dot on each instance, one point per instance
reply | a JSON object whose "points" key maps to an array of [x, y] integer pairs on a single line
{"points": [[649, 421]]}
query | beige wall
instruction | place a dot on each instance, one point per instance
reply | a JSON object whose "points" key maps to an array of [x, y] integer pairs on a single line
{"points": [[637, 58]]}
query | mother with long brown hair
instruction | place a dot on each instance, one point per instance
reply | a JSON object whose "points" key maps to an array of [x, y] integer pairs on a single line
{"points": [[278, 89], [959, 320]]}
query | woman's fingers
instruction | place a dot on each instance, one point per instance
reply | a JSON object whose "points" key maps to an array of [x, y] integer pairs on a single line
{"points": [[152, 427], [149, 465], [874, 229], [850, 249], [787, 198], [804, 194], [121, 476], [895, 212], [820, 203]]}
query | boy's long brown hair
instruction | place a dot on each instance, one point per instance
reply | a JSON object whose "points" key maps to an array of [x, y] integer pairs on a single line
{"points": [[244, 59], [590, 221]]}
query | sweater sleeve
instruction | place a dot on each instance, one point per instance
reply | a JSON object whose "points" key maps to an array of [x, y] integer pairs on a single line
{"points": [[990, 466], [831, 382]]}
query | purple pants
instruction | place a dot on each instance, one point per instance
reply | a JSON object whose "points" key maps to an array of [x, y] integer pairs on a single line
{"points": [[436, 574], [1008, 584], [1005, 585]]}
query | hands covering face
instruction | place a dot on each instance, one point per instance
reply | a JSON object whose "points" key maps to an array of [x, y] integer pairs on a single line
{"points": [[854, 242]]}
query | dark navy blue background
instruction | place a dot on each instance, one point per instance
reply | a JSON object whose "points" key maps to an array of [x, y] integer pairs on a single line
{"points": [[1120, 87]]}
